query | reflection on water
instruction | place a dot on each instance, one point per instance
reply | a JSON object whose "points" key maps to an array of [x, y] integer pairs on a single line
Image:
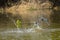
{"points": [[41, 26], [19, 35], [42, 34]]}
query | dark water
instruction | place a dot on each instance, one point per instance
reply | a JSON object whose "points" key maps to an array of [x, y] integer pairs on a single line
{"points": [[8, 30]]}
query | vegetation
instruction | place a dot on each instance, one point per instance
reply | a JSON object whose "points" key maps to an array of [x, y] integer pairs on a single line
{"points": [[19, 23]]}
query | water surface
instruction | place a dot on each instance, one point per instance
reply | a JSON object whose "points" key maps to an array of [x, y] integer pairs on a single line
{"points": [[50, 31]]}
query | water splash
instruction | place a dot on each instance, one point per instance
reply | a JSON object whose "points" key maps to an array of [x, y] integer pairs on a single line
{"points": [[41, 19], [36, 25]]}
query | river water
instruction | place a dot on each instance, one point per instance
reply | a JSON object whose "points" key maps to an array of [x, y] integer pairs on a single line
{"points": [[51, 31]]}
